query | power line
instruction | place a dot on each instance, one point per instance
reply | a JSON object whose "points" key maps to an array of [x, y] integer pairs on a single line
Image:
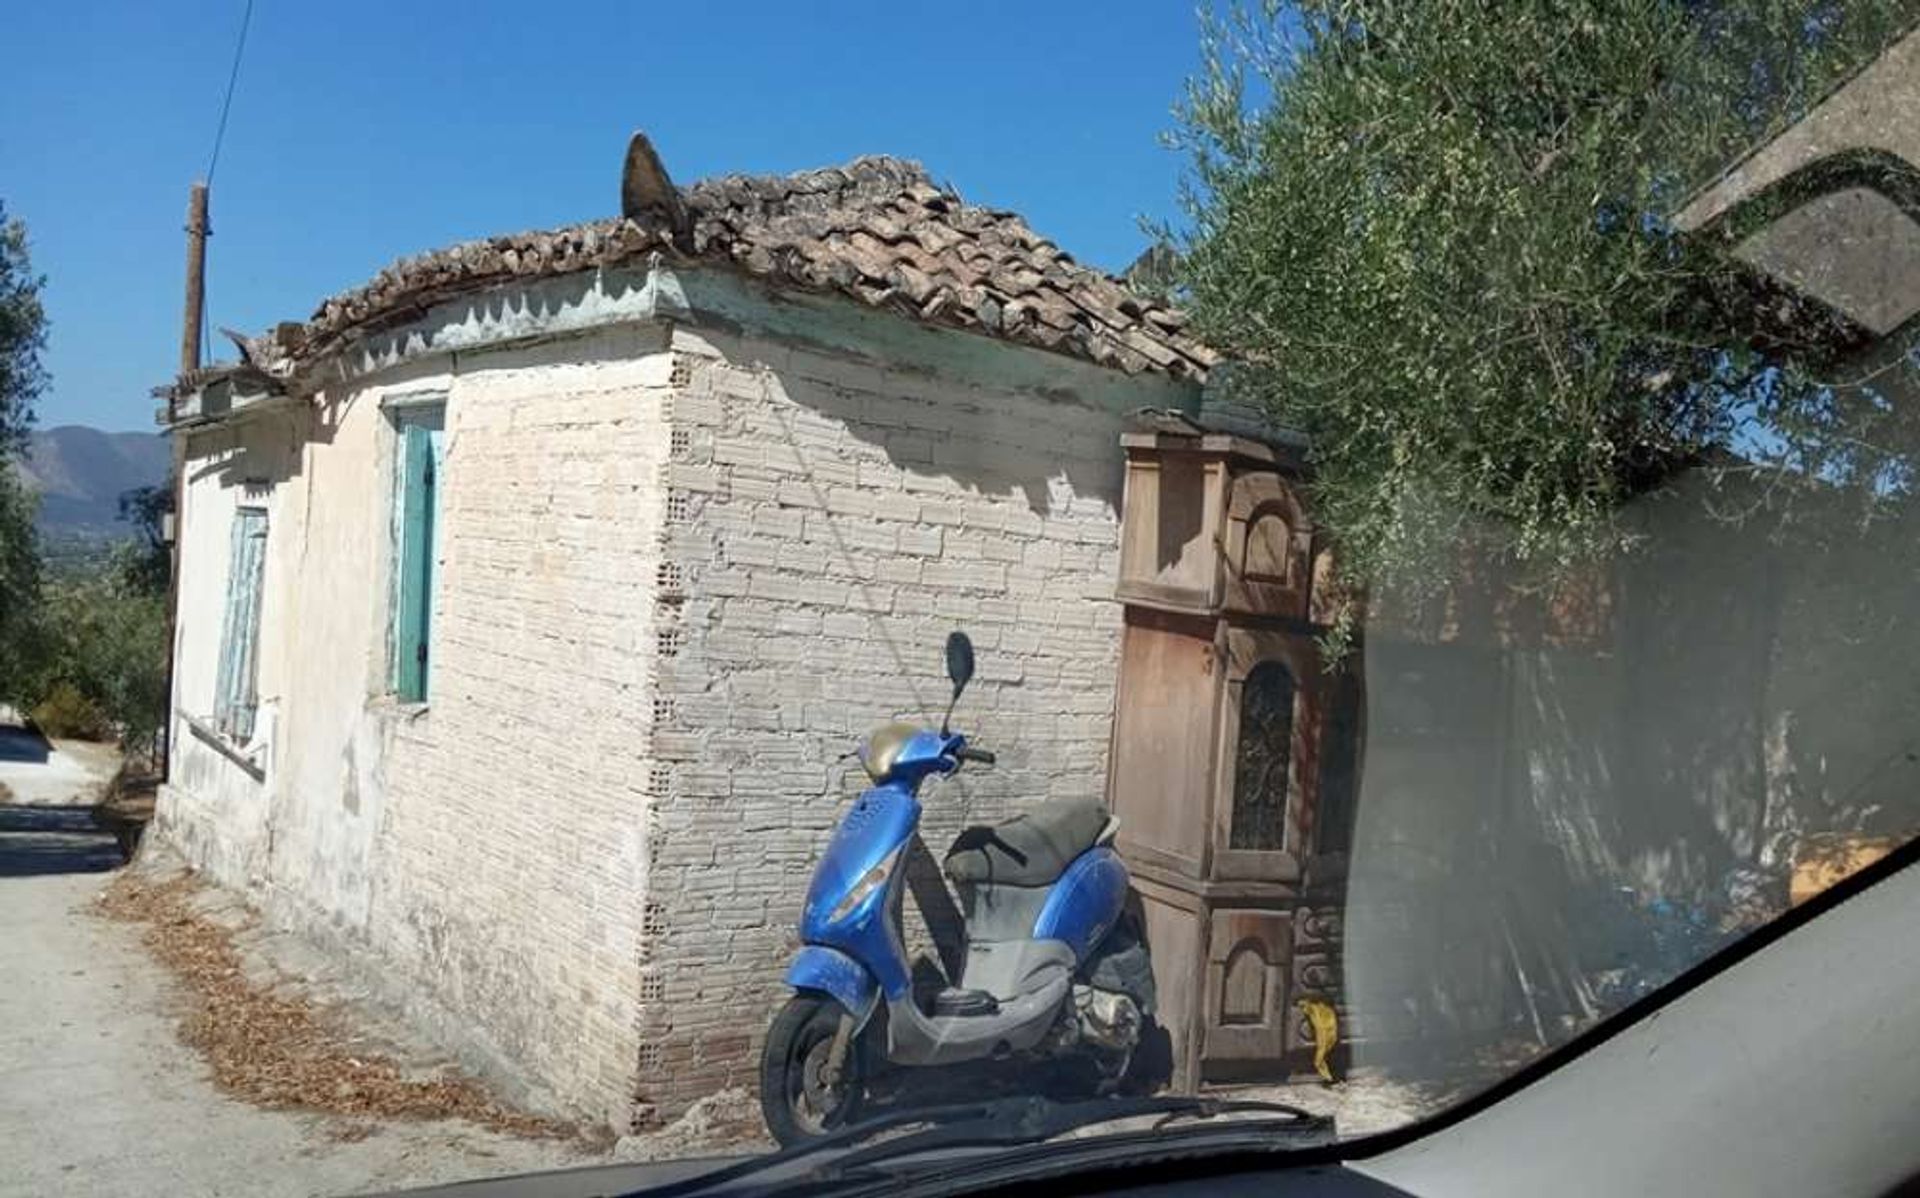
{"points": [[219, 136], [226, 103]]}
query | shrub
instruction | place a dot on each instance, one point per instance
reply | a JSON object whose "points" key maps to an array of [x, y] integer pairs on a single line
{"points": [[102, 661], [65, 712]]}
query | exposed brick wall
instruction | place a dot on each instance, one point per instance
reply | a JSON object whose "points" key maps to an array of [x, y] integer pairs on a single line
{"points": [[831, 523]]}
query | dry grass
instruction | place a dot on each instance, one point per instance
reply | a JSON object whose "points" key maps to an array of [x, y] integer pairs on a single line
{"points": [[280, 1051]]}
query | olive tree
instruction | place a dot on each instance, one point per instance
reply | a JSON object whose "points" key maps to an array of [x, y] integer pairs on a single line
{"points": [[1433, 236], [23, 332]]}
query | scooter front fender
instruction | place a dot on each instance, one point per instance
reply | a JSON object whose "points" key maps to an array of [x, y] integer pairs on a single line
{"points": [[833, 972]]}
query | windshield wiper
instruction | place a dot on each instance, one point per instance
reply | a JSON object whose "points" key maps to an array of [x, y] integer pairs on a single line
{"points": [[1000, 1122], [1033, 1120]]}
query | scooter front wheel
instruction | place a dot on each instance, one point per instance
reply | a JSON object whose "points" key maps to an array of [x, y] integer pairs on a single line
{"points": [[804, 1093]]}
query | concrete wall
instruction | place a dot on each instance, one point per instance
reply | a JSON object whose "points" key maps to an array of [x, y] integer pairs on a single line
{"points": [[1750, 687]]}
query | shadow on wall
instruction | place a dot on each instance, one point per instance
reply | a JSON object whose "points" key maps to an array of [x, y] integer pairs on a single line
{"points": [[1046, 451], [255, 454], [1050, 469], [1037, 460]]}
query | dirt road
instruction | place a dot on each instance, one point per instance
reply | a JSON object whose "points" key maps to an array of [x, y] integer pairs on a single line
{"points": [[98, 1097]]}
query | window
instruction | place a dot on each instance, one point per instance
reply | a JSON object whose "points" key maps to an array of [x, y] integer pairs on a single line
{"points": [[416, 508], [1260, 776], [238, 692]]}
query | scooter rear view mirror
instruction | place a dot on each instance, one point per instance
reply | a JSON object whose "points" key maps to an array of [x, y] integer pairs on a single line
{"points": [[959, 661], [959, 669]]}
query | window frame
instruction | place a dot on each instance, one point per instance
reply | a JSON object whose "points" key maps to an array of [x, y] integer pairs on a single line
{"points": [[1243, 648], [236, 698], [1278, 808], [418, 457]]}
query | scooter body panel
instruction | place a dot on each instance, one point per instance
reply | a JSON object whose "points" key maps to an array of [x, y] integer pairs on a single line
{"points": [[916, 1038], [1085, 902], [871, 835]]}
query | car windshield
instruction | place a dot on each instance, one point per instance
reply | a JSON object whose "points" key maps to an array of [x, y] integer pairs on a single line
{"points": [[794, 657]]}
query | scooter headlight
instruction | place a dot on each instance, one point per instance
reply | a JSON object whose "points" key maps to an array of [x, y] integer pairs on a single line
{"points": [[874, 879]]}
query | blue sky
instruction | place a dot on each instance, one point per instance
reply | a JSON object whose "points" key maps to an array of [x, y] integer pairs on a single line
{"points": [[361, 132]]}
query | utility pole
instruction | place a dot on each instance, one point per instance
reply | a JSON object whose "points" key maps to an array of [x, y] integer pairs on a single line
{"points": [[189, 361], [196, 278]]}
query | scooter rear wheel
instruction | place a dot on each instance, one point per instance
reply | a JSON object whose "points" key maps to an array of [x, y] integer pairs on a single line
{"points": [[801, 1096]]}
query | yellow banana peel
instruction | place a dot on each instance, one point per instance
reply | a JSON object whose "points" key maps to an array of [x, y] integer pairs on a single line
{"points": [[1325, 1023]]}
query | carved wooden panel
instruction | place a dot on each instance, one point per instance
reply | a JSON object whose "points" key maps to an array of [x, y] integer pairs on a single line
{"points": [[1267, 537], [1170, 531], [1269, 552], [1316, 973], [1249, 959], [1317, 927], [1243, 985], [1161, 778], [1176, 931]]}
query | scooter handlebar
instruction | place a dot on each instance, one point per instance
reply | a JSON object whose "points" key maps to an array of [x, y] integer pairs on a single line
{"points": [[972, 754]]}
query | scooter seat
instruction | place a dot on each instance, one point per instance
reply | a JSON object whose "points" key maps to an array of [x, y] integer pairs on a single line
{"points": [[1032, 848]]}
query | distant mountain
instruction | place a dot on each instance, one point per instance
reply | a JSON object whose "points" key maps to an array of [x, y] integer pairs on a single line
{"points": [[81, 472]]}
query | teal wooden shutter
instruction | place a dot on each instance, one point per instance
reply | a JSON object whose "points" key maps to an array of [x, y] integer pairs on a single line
{"points": [[419, 467], [238, 683]]}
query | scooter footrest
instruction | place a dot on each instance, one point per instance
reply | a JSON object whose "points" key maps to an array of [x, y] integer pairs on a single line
{"points": [[965, 1002]]}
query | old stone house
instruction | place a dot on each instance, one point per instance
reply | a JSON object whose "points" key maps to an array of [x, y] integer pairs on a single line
{"points": [[531, 593]]}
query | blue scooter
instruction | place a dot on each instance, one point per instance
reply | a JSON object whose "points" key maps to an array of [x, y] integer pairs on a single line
{"points": [[1053, 967]]}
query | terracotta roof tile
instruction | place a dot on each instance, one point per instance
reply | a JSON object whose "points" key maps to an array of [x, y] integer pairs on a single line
{"points": [[876, 230]]}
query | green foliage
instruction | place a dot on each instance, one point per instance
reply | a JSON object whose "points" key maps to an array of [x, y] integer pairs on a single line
{"points": [[145, 564], [1433, 236], [101, 647], [20, 581], [83, 650], [23, 334]]}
